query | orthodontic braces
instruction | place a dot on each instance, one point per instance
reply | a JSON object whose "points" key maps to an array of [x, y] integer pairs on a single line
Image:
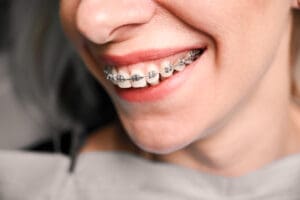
{"points": [[191, 57]]}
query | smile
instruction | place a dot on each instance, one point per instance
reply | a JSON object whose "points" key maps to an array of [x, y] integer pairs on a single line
{"points": [[152, 73]]}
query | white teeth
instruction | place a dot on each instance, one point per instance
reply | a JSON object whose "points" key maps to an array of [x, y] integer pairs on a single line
{"points": [[153, 74], [123, 79], [179, 65], [188, 62], [138, 79], [114, 74], [166, 69]]}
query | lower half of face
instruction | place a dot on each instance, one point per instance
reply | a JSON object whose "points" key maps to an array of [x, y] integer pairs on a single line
{"points": [[237, 43]]}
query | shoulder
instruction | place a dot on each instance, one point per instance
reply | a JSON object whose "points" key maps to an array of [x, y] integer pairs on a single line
{"points": [[29, 173]]}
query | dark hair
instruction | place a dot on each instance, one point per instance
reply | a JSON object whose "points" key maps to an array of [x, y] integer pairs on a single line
{"points": [[48, 75]]}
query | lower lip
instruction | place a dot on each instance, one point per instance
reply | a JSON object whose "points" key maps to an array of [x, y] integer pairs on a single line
{"points": [[159, 91]]}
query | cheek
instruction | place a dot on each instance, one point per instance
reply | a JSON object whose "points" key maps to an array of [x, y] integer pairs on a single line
{"points": [[211, 17], [231, 21]]}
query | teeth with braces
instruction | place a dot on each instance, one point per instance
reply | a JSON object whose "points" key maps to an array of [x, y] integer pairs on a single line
{"points": [[166, 69], [138, 79], [181, 64], [123, 79], [152, 75]]}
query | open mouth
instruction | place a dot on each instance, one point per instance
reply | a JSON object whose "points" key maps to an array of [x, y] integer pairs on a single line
{"points": [[152, 73]]}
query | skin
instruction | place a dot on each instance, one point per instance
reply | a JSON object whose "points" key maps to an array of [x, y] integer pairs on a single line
{"points": [[239, 116]]}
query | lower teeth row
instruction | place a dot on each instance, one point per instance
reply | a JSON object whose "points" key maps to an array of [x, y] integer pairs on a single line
{"points": [[138, 79]]}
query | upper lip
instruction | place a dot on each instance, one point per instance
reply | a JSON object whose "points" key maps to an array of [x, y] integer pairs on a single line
{"points": [[143, 56]]}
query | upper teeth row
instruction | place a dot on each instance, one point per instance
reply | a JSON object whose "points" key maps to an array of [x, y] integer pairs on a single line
{"points": [[139, 79]]}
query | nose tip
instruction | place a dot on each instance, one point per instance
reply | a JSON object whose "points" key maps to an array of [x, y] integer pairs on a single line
{"points": [[98, 19]]}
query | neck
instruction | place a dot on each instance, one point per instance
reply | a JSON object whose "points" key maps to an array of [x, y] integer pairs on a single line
{"points": [[262, 130]]}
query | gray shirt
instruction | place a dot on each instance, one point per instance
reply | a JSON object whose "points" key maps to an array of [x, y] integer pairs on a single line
{"points": [[120, 175]]}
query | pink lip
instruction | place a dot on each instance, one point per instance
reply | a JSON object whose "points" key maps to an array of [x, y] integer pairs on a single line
{"points": [[142, 56], [154, 93]]}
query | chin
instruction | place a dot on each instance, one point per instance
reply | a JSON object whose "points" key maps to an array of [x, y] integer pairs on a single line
{"points": [[162, 147], [159, 138]]}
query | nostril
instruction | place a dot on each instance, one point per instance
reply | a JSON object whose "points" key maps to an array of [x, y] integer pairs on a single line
{"points": [[97, 20]]}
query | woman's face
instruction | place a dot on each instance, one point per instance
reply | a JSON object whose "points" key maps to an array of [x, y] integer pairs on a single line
{"points": [[240, 40]]}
